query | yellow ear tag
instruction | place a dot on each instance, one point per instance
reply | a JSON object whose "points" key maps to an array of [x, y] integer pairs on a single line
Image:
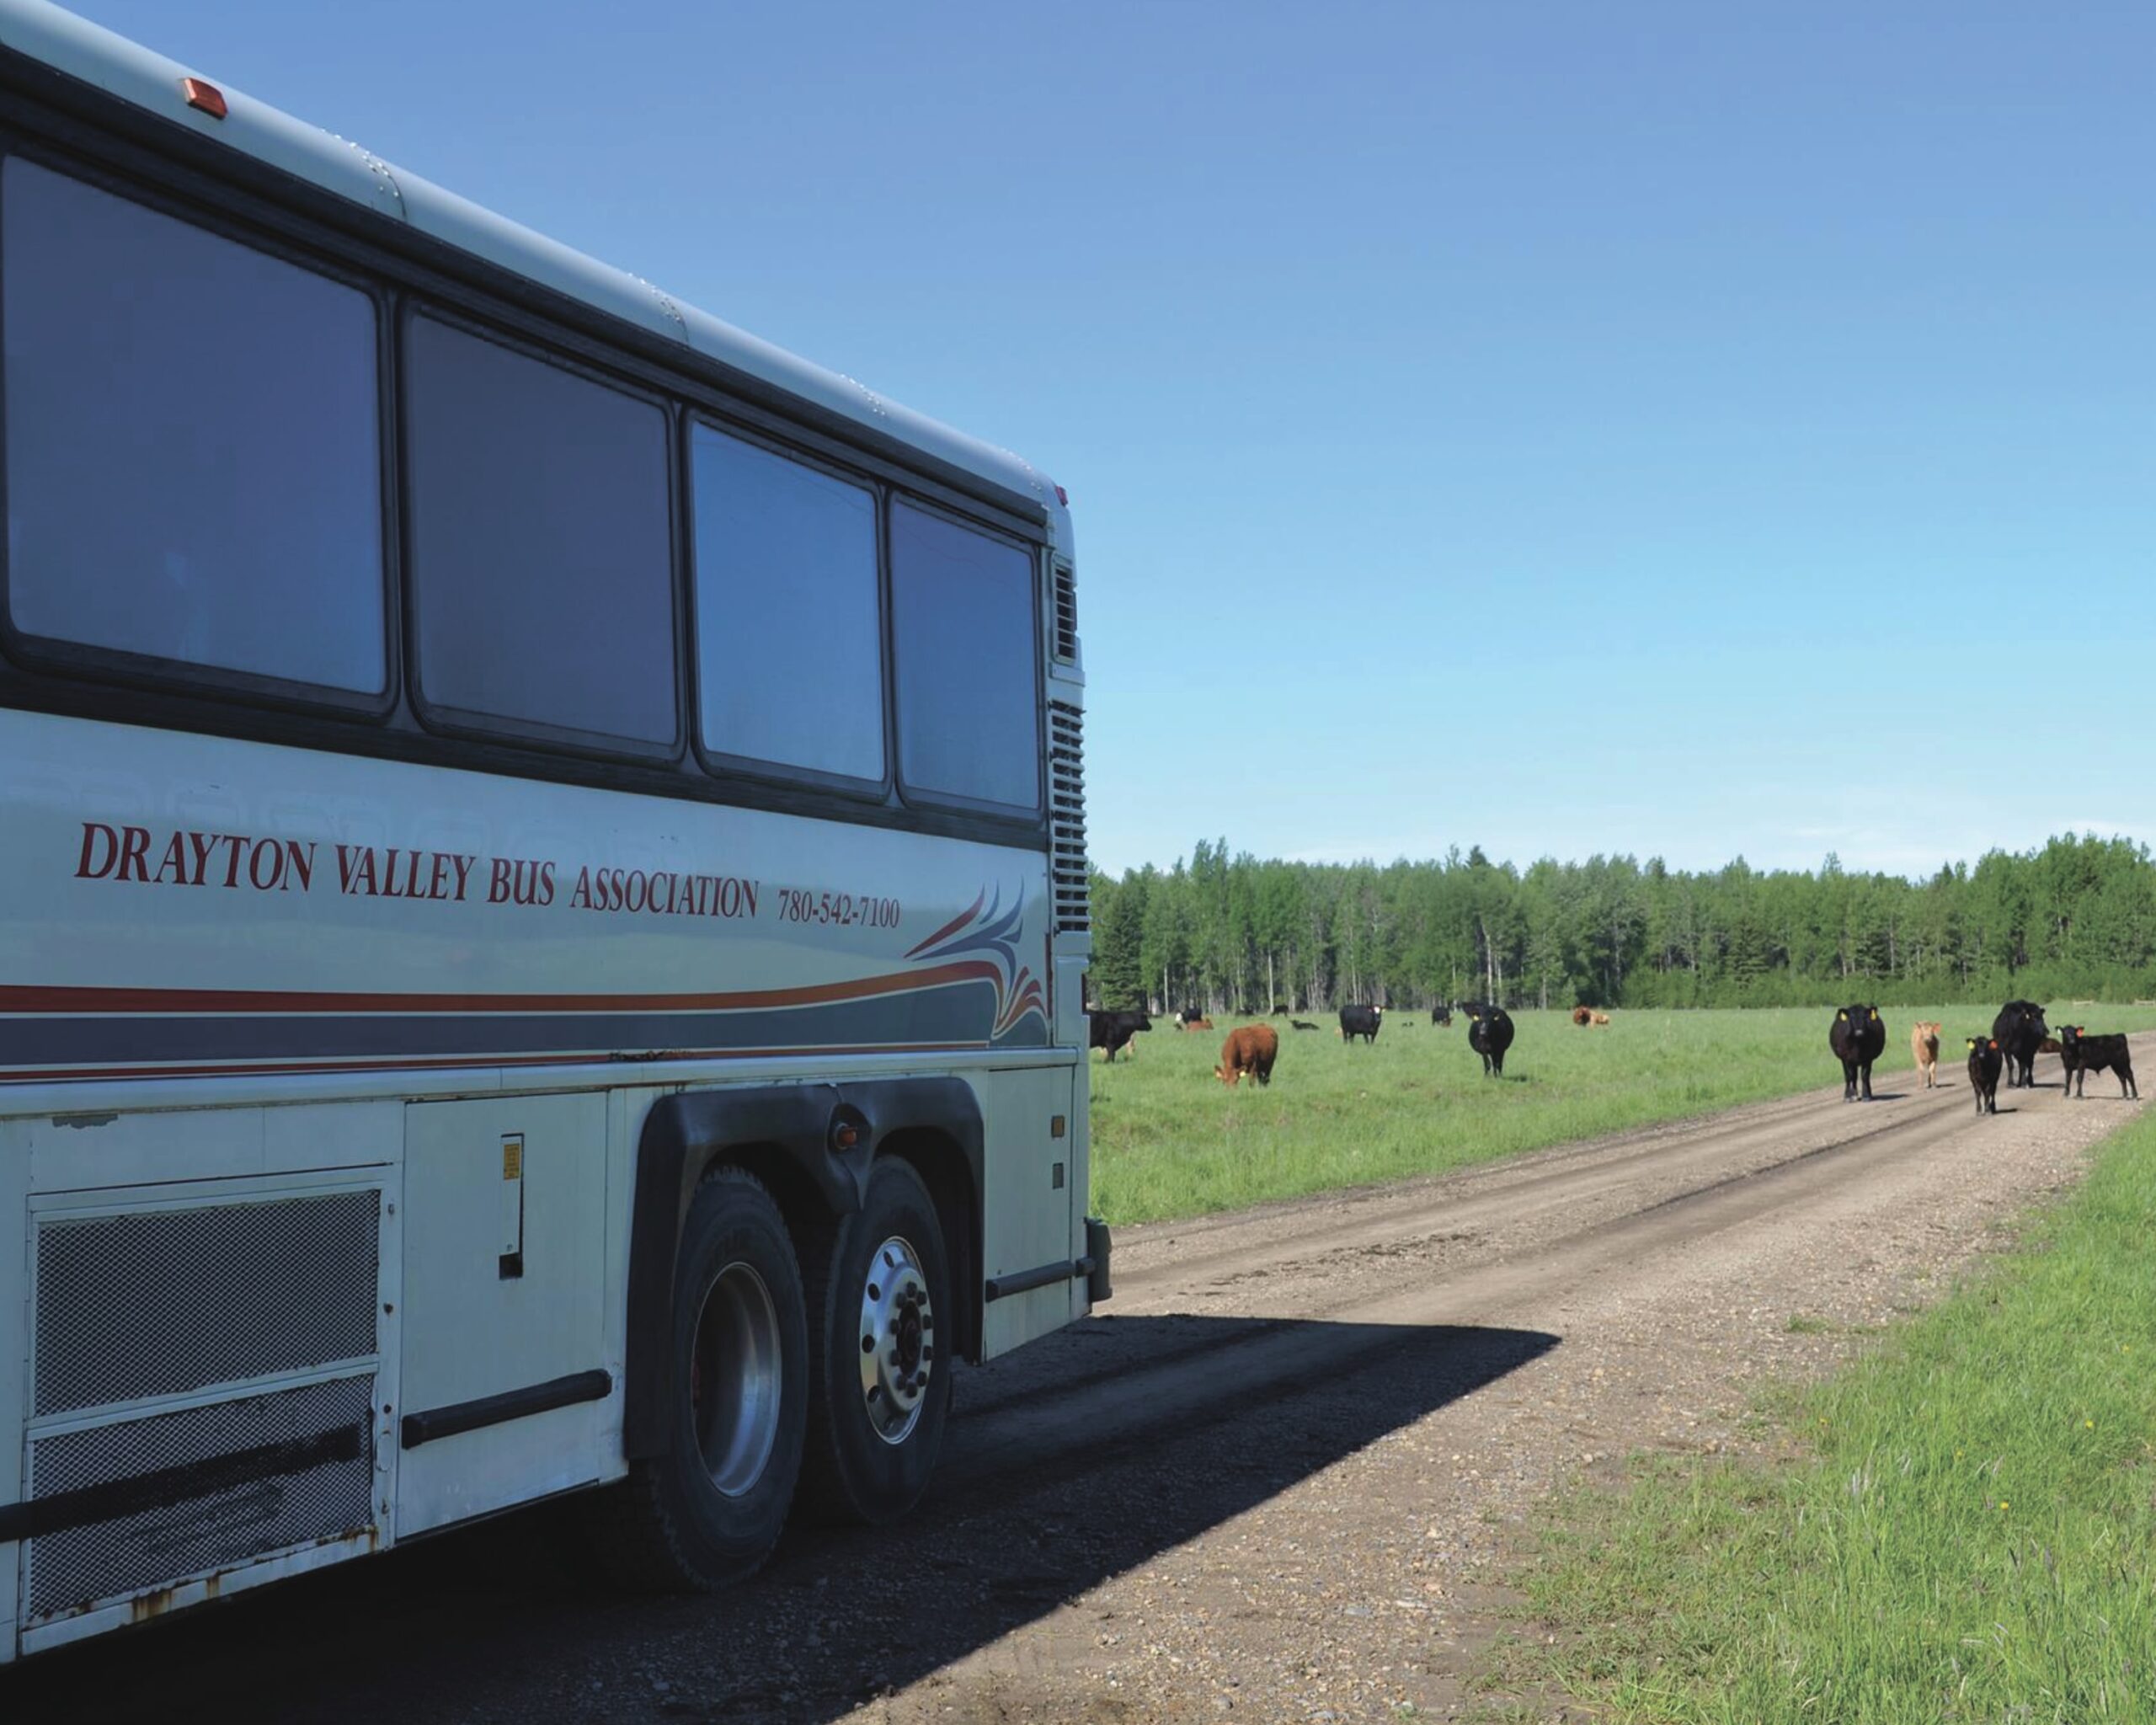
{"points": [[1843, 1016]]}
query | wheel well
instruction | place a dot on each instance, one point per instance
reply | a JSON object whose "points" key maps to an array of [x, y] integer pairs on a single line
{"points": [[944, 1170]]}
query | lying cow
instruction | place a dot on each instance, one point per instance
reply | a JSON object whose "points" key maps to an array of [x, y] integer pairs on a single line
{"points": [[2019, 1031], [1985, 1061], [2084, 1053], [1193, 1023], [1602, 1021], [1858, 1037], [1112, 1031], [1187, 1016], [1253, 1049], [1582, 1016], [1489, 1034], [1924, 1045], [1360, 1020], [1300, 1024]]}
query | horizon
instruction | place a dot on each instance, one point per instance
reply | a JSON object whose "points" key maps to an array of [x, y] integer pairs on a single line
{"points": [[1461, 855]]}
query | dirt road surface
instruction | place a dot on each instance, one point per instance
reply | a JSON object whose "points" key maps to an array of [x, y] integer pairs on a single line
{"points": [[1276, 1483]]}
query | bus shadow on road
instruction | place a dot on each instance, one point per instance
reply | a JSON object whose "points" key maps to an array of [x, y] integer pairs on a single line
{"points": [[1084, 1457]]}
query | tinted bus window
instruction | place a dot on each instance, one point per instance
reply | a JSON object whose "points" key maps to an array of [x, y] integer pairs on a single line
{"points": [[194, 457], [962, 625], [541, 549], [789, 623]]}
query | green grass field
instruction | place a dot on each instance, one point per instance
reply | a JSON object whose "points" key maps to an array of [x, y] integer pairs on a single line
{"points": [[1967, 1533], [1171, 1140]]}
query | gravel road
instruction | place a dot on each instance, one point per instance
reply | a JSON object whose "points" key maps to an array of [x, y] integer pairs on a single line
{"points": [[1276, 1483]]}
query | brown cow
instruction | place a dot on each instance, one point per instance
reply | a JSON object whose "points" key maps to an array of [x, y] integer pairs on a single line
{"points": [[1582, 1016], [1923, 1043], [1193, 1023], [1252, 1049]]}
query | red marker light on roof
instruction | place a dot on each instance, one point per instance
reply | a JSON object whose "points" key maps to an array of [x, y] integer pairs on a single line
{"points": [[207, 97], [1063, 497]]}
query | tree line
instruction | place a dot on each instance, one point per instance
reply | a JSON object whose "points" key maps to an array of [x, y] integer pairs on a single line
{"points": [[1227, 931]]}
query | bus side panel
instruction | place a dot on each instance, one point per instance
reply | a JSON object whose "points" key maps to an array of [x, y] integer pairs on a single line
{"points": [[1029, 1202], [507, 1393], [15, 1350]]}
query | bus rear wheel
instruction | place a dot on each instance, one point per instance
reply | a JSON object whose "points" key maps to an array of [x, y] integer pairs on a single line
{"points": [[879, 1394], [707, 1513]]}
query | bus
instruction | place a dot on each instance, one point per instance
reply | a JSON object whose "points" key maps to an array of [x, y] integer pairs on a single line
{"points": [[543, 882]]}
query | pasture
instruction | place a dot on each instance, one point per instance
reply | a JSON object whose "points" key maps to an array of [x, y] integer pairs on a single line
{"points": [[1169, 1139]]}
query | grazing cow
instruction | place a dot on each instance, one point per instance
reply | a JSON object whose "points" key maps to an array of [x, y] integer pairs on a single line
{"points": [[1112, 1031], [1858, 1038], [2019, 1031], [1441, 1014], [1582, 1016], [2084, 1053], [1360, 1020], [1489, 1034], [1923, 1043], [1253, 1049], [1985, 1061], [1300, 1024], [1193, 1023], [1602, 1021]]}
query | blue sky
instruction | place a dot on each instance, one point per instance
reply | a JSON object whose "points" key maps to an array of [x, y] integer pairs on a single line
{"points": [[1679, 429]]}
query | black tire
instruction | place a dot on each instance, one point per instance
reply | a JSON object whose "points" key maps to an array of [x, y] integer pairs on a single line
{"points": [[707, 1513], [851, 1472]]}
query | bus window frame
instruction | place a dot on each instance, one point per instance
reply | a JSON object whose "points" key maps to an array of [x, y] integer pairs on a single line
{"points": [[449, 720], [721, 763], [952, 802], [108, 665], [108, 143]]}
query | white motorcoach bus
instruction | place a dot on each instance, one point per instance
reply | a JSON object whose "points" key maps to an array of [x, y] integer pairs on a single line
{"points": [[543, 896]]}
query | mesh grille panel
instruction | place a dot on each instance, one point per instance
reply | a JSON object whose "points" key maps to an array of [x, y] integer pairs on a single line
{"points": [[291, 1493], [1066, 803], [161, 1302]]}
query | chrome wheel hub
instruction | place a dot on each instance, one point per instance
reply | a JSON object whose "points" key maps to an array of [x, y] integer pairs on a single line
{"points": [[897, 1339], [734, 1378]]}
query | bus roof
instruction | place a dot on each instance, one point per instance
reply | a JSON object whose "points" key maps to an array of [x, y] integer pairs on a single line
{"points": [[96, 56]]}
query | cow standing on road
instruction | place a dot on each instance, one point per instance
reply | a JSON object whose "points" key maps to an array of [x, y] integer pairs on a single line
{"points": [[1985, 1060], [1489, 1034], [1360, 1020], [1923, 1047], [1112, 1031], [2019, 1031], [1858, 1038], [2084, 1053]]}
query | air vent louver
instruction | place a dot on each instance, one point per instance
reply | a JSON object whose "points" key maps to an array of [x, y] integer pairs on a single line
{"points": [[1066, 762], [1066, 615]]}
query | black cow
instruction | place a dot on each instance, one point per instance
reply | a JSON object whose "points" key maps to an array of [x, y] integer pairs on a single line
{"points": [[2019, 1031], [1441, 1014], [1187, 1016], [1489, 1034], [1360, 1020], [1112, 1031], [1984, 1063], [1300, 1024], [2084, 1053], [1858, 1037]]}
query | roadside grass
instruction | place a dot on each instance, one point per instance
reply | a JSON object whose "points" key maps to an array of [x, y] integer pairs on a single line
{"points": [[1962, 1526], [1169, 1140]]}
